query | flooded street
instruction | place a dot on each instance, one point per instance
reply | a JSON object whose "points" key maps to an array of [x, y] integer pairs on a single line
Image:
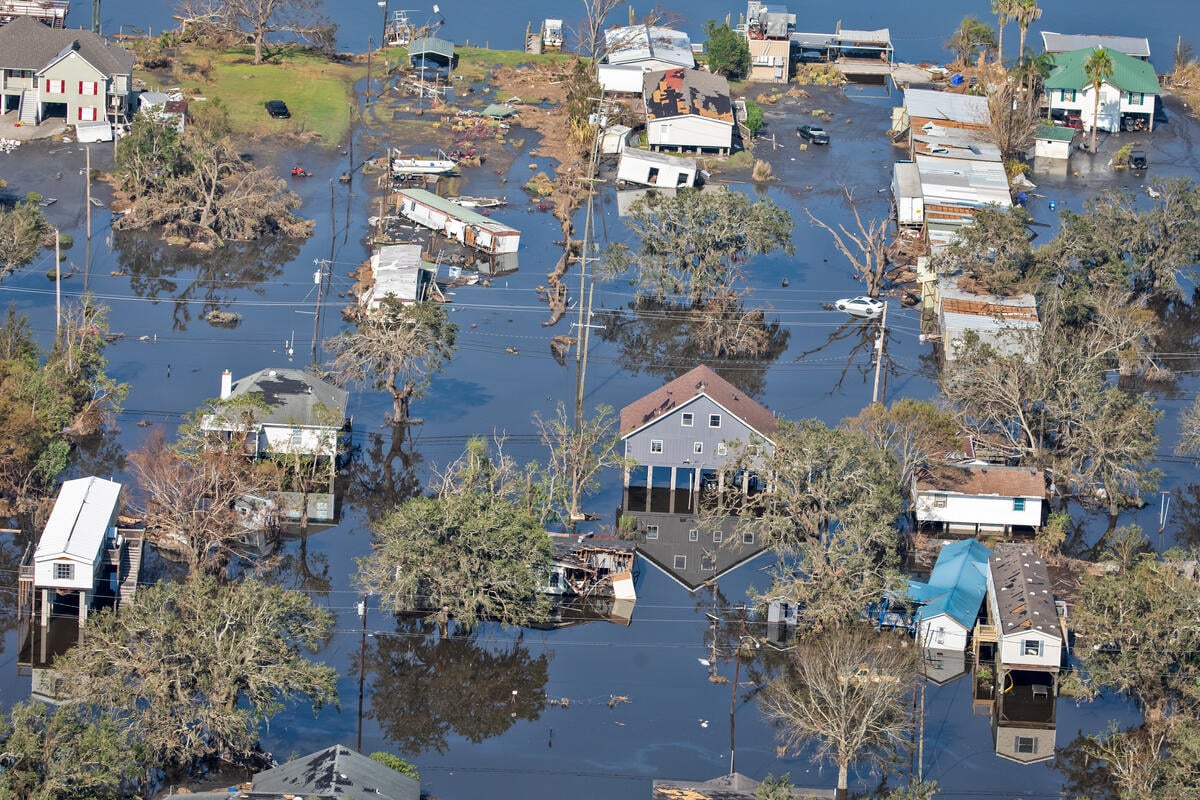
{"points": [[597, 709]]}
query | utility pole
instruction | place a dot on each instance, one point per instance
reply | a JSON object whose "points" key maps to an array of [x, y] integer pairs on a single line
{"points": [[57, 286], [879, 353], [319, 280], [362, 666], [88, 184], [582, 326]]}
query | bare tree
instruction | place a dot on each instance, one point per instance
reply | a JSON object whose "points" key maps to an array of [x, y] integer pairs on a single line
{"points": [[577, 457], [865, 247], [915, 432], [843, 691], [258, 20], [398, 348], [1013, 117], [589, 33]]}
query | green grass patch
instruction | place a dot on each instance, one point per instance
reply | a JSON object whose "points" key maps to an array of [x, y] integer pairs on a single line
{"points": [[474, 63], [318, 92]]}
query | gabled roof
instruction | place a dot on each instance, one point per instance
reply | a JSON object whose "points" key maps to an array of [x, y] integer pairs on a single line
{"points": [[337, 772], [431, 46], [79, 522], [727, 787], [636, 43], [1136, 46], [1055, 133], [989, 480], [293, 396], [1023, 596], [687, 92], [957, 584], [1128, 74], [692, 384], [26, 43], [950, 106]]}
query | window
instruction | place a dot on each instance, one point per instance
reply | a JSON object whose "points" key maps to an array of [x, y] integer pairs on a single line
{"points": [[1031, 647], [940, 636], [697, 448], [714, 420], [89, 87], [297, 438], [747, 538], [939, 501], [694, 535], [687, 419], [1066, 95], [87, 114], [1025, 744], [721, 449], [651, 531], [64, 572], [708, 562], [1136, 98], [1018, 504], [656, 445], [56, 87], [716, 537], [680, 562]]}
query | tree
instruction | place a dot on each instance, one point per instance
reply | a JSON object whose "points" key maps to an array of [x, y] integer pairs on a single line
{"points": [[393, 761], [972, 38], [915, 432], [475, 549], [843, 691], [694, 244], [66, 753], [589, 34], [194, 668], [1013, 117], [258, 20], [774, 788], [865, 247], [23, 231], [1025, 12], [754, 117], [994, 250], [578, 454], [397, 348], [1189, 431], [1004, 10], [1098, 68], [728, 52], [150, 156]]}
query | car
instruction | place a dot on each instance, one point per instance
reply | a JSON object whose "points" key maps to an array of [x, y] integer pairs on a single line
{"points": [[278, 109], [814, 133], [865, 307], [1137, 159]]}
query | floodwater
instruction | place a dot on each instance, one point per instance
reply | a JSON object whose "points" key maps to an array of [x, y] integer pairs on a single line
{"points": [[596, 710]]}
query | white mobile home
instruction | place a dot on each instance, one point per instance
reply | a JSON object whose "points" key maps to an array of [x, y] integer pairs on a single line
{"points": [[979, 498], [631, 52], [472, 229], [688, 110], [1021, 606], [906, 189], [659, 170], [1002, 322], [397, 271], [72, 553]]}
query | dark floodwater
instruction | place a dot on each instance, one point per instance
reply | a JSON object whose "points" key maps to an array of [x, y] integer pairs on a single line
{"points": [[450, 706]]}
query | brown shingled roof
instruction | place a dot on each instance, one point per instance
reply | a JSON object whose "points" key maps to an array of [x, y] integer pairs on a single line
{"points": [[690, 385], [680, 92], [25, 43], [984, 480], [1023, 593]]}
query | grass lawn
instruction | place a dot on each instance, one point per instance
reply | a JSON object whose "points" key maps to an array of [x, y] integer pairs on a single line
{"points": [[318, 92], [474, 63]]}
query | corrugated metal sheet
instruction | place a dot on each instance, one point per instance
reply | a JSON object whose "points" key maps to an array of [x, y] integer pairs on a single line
{"points": [[1136, 46], [930, 104]]}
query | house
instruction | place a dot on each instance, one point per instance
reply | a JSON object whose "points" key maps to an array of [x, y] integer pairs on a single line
{"points": [[632, 51], [1022, 611], [953, 189], [1127, 97], [74, 75], [335, 773], [768, 32], [659, 170], [688, 110], [927, 111], [465, 226], [398, 271], [163, 107], [950, 601], [979, 498], [967, 144], [431, 53], [591, 566], [862, 52], [49, 12], [734, 786], [1053, 141], [1133, 46], [999, 321]]}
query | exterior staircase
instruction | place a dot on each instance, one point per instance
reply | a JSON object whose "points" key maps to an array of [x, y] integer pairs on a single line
{"points": [[28, 115], [131, 566]]}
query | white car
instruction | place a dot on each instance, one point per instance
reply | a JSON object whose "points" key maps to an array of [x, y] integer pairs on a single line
{"points": [[865, 307]]}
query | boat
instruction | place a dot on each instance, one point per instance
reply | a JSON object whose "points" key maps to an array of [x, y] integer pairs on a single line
{"points": [[420, 165], [467, 201], [399, 30]]}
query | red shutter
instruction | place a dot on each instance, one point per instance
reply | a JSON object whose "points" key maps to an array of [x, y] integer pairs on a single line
{"points": [[81, 87]]}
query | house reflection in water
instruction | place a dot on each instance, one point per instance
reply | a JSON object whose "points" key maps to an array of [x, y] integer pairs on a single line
{"points": [[684, 437]]}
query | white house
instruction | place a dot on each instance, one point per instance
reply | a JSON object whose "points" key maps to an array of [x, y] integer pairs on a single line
{"points": [[979, 498], [632, 51], [688, 110], [659, 170], [466, 226], [72, 553], [1127, 97], [397, 271], [1021, 606], [302, 414], [954, 189], [950, 601]]}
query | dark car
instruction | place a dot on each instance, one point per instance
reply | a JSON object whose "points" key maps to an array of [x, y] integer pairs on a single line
{"points": [[278, 109], [1137, 159], [814, 133]]}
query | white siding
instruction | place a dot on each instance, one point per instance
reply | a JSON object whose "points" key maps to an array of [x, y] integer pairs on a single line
{"points": [[988, 511], [284, 439], [689, 133], [1012, 650], [942, 633]]}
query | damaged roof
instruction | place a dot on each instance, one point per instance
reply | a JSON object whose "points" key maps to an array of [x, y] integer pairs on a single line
{"points": [[687, 92], [696, 382], [337, 772], [1023, 596], [989, 479], [293, 396]]}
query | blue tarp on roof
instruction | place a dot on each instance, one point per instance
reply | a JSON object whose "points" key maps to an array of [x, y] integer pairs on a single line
{"points": [[957, 585]]}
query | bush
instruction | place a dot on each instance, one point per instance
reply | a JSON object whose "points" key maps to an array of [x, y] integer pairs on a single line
{"points": [[762, 172], [1122, 156], [397, 763], [754, 117]]}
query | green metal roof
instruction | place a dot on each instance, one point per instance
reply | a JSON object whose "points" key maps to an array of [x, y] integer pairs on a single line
{"points": [[1055, 133], [1129, 74]]}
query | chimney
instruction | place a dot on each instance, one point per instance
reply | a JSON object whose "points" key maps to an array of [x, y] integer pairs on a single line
{"points": [[226, 384]]}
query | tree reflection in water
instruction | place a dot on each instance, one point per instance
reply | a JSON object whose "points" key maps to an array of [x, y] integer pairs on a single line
{"points": [[667, 339], [197, 280], [427, 688], [383, 473], [867, 332]]}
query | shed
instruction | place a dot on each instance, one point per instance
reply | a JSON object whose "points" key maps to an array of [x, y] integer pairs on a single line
{"points": [[614, 138], [397, 271], [431, 52], [466, 226], [952, 597], [1052, 141], [659, 170]]}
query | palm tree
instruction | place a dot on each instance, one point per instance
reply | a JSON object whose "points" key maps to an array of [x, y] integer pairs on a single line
{"points": [[1031, 71], [1099, 68], [1025, 12], [1004, 11]]}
